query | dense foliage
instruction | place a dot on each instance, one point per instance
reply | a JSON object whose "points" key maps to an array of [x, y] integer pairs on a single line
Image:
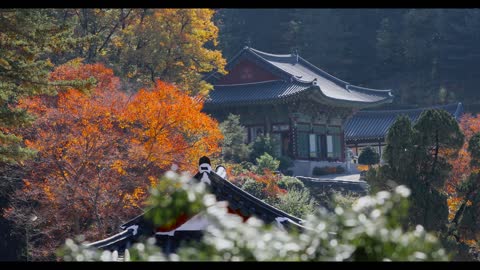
{"points": [[370, 230], [267, 162], [368, 157], [100, 152], [27, 37], [462, 186], [143, 45], [432, 158]]}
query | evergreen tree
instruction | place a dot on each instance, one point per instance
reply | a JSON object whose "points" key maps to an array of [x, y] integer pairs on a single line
{"points": [[368, 157], [234, 147], [263, 144], [398, 151], [437, 132], [417, 158], [27, 37]]}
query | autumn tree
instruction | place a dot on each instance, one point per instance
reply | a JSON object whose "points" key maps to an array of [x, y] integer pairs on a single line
{"points": [[142, 45], [461, 186], [99, 151]]}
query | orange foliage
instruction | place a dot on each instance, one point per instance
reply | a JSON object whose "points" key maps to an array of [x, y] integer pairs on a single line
{"points": [[362, 167], [461, 168], [269, 179], [99, 152]]}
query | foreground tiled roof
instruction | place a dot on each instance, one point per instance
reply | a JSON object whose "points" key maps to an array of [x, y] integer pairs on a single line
{"points": [[297, 76], [238, 200], [373, 125], [241, 201]]}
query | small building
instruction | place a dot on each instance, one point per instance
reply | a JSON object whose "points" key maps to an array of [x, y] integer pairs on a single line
{"points": [[369, 128], [303, 107]]}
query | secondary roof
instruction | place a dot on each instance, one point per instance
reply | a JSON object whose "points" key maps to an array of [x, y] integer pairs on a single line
{"points": [[367, 126]]}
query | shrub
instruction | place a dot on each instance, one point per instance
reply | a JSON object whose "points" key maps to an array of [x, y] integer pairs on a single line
{"points": [[262, 145], [255, 188], [289, 183], [344, 200], [268, 162], [368, 157], [270, 184], [379, 179], [285, 163], [333, 198], [296, 202]]}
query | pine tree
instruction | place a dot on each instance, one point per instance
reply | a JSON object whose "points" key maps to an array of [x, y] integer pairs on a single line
{"points": [[233, 145], [398, 152], [417, 157], [27, 38]]}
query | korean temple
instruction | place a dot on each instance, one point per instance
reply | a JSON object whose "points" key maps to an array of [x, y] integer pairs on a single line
{"points": [[303, 107], [369, 128], [168, 239]]}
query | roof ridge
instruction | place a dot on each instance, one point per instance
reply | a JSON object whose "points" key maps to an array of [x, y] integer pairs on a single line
{"points": [[254, 52], [343, 83], [323, 72], [251, 83], [269, 54]]}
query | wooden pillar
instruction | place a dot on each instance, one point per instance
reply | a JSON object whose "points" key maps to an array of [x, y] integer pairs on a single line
{"points": [[293, 137], [268, 124], [380, 149]]}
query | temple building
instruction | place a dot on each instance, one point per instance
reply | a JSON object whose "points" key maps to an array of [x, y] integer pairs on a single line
{"points": [[303, 107], [369, 128]]}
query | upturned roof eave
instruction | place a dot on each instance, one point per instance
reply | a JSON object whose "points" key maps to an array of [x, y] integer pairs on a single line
{"points": [[346, 85], [314, 89]]}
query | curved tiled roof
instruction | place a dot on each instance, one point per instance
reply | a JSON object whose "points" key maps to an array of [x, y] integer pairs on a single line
{"points": [[296, 72], [374, 125], [253, 93], [238, 200]]}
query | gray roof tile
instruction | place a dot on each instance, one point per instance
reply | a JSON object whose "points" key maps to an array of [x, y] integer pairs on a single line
{"points": [[256, 92], [298, 75], [374, 125]]}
